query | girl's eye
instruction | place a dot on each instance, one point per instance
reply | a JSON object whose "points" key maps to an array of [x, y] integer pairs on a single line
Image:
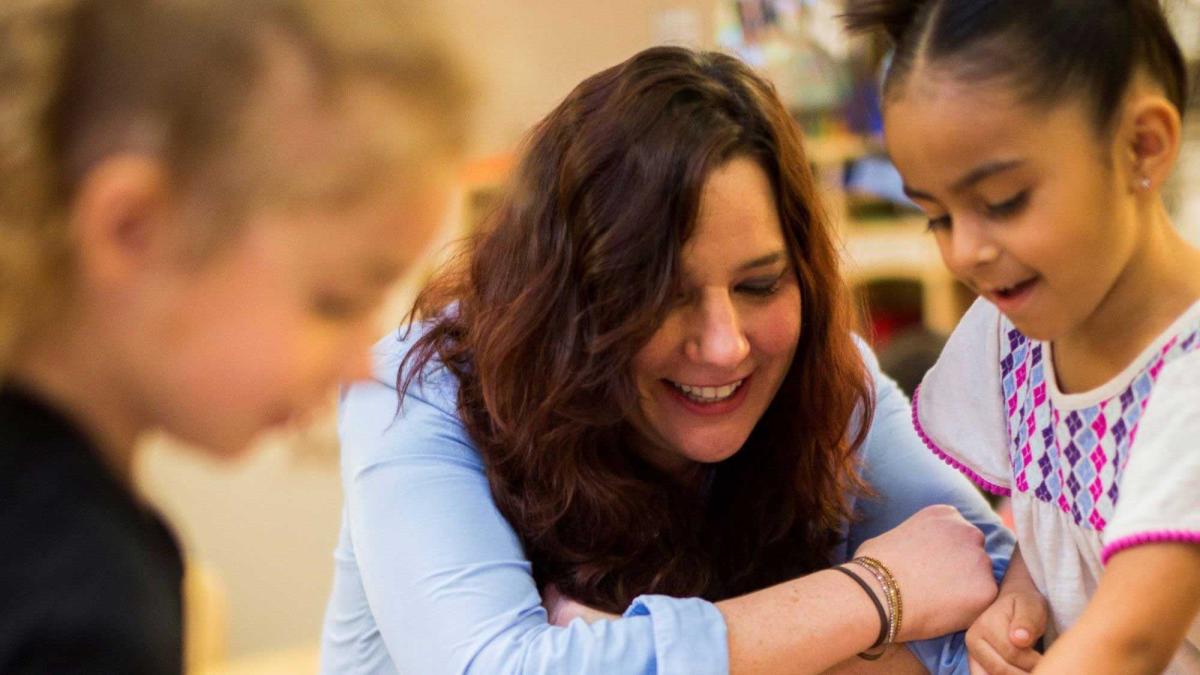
{"points": [[938, 223], [1010, 207], [762, 287], [337, 307]]}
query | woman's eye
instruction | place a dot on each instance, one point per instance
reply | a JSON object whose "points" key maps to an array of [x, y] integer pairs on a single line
{"points": [[762, 287], [1009, 207]]}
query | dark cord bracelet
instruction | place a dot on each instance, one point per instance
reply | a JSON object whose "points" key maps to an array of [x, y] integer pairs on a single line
{"points": [[883, 618]]}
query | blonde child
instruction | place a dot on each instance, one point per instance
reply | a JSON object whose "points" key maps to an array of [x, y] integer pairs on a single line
{"points": [[201, 205], [1037, 135]]}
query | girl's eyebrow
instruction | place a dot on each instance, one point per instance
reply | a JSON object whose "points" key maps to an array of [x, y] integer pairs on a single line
{"points": [[971, 178], [381, 272]]}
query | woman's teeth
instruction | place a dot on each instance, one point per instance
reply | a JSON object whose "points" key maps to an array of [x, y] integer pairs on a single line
{"points": [[708, 394]]}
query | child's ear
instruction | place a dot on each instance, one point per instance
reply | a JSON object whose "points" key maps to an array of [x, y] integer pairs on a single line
{"points": [[119, 219], [1153, 138]]}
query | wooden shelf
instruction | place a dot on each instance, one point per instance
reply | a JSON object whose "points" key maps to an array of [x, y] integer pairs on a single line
{"points": [[903, 250]]}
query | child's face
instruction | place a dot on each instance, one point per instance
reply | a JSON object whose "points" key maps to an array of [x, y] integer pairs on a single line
{"points": [[259, 334], [1024, 205]]}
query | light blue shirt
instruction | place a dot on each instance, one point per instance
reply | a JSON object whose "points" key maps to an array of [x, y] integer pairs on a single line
{"points": [[430, 578]]}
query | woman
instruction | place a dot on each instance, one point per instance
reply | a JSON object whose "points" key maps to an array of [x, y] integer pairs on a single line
{"points": [[640, 396]]}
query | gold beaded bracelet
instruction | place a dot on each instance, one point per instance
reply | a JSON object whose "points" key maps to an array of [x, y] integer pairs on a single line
{"points": [[889, 599], [891, 591]]}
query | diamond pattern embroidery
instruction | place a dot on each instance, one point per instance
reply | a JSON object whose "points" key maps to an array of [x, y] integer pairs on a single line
{"points": [[1074, 458]]}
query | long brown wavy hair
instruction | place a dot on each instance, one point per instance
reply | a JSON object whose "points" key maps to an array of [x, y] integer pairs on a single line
{"points": [[543, 313]]}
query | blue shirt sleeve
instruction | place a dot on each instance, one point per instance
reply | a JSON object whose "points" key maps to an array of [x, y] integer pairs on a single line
{"points": [[429, 567], [907, 477]]}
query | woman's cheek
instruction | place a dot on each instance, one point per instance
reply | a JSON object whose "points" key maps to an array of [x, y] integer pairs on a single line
{"points": [[775, 330]]}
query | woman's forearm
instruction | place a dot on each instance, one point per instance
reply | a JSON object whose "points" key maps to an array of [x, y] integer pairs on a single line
{"points": [[898, 660], [806, 625]]}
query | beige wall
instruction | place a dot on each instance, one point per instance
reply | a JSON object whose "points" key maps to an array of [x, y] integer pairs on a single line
{"points": [[530, 53], [268, 524]]}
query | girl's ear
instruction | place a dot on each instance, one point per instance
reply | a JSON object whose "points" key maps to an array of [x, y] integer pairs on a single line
{"points": [[119, 220], [1151, 134]]}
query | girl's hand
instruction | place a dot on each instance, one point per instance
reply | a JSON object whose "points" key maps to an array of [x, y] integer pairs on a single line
{"points": [[945, 575], [563, 610], [1001, 640]]}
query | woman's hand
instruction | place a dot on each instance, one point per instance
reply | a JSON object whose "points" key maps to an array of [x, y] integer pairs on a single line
{"points": [[943, 571], [1001, 640], [562, 610]]}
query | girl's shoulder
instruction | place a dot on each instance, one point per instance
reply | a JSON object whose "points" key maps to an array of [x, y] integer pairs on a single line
{"points": [[972, 357], [960, 410]]}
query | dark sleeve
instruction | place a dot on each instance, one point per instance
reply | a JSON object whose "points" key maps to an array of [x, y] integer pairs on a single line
{"points": [[86, 589]]}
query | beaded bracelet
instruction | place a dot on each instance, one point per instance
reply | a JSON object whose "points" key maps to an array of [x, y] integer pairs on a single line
{"points": [[884, 622], [891, 592]]}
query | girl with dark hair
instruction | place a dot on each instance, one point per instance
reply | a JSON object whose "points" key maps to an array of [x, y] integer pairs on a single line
{"points": [[1036, 134], [637, 401]]}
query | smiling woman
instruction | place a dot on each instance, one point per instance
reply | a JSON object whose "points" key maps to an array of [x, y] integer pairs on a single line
{"points": [[638, 394], [710, 371]]}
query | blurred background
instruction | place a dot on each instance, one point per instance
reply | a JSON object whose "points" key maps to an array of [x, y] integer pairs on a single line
{"points": [[259, 534]]}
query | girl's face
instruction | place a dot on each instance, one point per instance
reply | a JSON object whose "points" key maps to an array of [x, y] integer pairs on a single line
{"points": [[709, 372], [1023, 201], [259, 335]]}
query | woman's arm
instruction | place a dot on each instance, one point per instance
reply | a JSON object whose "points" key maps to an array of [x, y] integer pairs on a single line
{"points": [[816, 622], [1148, 597], [941, 594], [441, 576], [897, 660], [907, 477]]}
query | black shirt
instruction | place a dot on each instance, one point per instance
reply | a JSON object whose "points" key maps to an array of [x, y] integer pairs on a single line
{"points": [[90, 578]]}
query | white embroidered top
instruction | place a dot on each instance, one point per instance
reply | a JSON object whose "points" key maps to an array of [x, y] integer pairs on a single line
{"points": [[1090, 474]]}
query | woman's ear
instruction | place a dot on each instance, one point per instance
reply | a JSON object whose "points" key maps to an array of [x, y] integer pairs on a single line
{"points": [[1152, 137], [119, 220]]}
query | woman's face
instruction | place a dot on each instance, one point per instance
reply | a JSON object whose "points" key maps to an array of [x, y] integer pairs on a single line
{"points": [[709, 372]]}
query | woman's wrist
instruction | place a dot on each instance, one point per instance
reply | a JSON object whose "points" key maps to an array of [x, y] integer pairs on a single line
{"points": [[866, 603], [891, 593], [873, 652], [885, 597]]}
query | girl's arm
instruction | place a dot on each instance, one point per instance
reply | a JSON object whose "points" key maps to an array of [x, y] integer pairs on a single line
{"points": [[1150, 590], [1002, 639], [1147, 599]]}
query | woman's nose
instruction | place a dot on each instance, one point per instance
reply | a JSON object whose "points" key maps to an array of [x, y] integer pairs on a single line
{"points": [[717, 337]]}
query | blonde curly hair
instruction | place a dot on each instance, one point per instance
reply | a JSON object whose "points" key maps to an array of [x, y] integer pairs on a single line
{"points": [[180, 80]]}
